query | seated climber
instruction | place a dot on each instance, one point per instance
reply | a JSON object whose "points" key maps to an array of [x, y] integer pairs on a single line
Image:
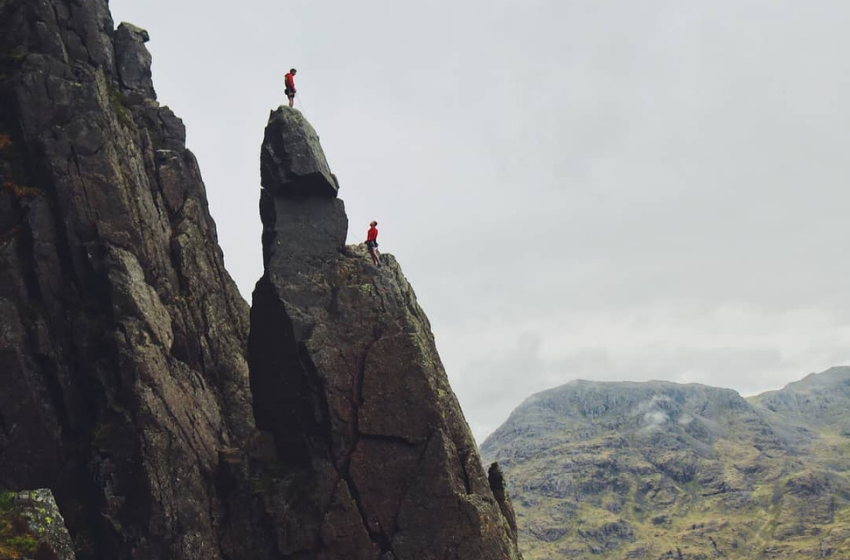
{"points": [[372, 243], [289, 81]]}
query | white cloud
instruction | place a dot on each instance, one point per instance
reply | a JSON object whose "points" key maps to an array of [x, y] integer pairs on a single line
{"points": [[654, 420]]}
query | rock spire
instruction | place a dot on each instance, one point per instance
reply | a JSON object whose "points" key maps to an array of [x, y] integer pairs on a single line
{"points": [[341, 351]]}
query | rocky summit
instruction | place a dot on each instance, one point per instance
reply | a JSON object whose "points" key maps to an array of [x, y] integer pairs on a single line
{"points": [[659, 470], [125, 346]]}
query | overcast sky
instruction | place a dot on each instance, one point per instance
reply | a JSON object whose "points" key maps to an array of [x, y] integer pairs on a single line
{"points": [[594, 189]]}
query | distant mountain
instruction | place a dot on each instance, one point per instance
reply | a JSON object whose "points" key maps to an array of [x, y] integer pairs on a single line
{"points": [[660, 470], [817, 402]]}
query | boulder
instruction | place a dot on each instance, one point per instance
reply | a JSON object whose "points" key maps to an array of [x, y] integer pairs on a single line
{"points": [[292, 162]]}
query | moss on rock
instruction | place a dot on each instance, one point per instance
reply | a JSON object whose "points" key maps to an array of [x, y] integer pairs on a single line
{"points": [[31, 526]]}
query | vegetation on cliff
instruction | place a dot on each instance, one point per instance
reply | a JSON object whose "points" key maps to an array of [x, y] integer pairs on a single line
{"points": [[32, 527]]}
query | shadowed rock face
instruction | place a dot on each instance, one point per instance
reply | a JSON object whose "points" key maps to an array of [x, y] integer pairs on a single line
{"points": [[377, 459], [122, 337]]}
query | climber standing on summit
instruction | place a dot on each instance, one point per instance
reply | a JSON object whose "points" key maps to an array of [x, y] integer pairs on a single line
{"points": [[372, 243], [289, 82]]}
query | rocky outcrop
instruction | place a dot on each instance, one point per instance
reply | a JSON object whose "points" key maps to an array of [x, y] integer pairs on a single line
{"points": [[32, 527], [375, 458], [122, 351], [133, 62]]}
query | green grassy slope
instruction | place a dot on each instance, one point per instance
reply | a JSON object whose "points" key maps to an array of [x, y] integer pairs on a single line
{"points": [[660, 470]]}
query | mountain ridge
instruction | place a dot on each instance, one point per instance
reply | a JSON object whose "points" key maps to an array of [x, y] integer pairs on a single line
{"points": [[643, 470]]}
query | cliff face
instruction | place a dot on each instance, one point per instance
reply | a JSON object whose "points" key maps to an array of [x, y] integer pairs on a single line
{"points": [[122, 355], [660, 470], [125, 382], [382, 463]]}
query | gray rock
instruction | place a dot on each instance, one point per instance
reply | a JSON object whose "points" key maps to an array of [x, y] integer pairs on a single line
{"points": [[297, 228], [133, 62], [292, 162]]}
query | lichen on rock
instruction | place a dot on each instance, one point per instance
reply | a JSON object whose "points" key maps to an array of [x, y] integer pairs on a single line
{"points": [[133, 61], [32, 527]]}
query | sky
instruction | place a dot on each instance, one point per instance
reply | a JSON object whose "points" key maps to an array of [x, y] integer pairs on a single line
{"points": [[577, 189]]}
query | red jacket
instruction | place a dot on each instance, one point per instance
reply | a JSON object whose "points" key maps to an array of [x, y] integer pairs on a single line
{"points": [[372, 234], [289, 80]]}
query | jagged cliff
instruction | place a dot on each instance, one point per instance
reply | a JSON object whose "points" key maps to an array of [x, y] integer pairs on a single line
{"points": [[122, 361], [660, 470], [123, 340]]}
